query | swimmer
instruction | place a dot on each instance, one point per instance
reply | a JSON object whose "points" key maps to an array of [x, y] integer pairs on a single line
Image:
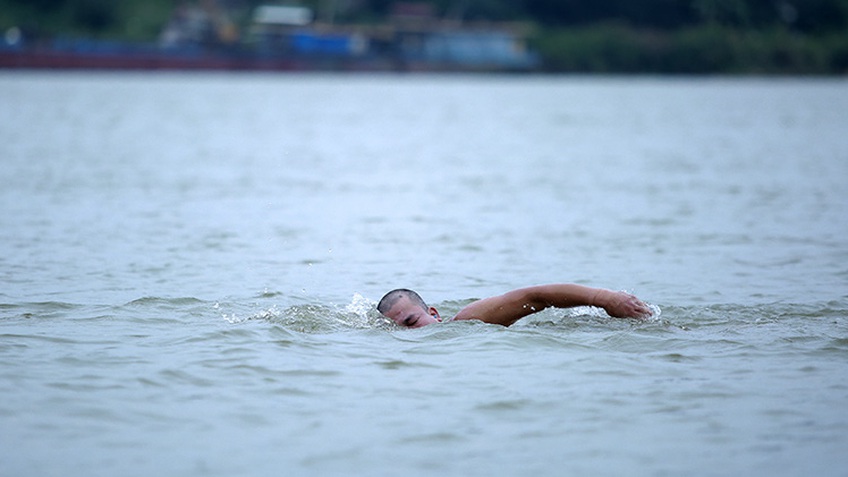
{"points": [[406, 308]]}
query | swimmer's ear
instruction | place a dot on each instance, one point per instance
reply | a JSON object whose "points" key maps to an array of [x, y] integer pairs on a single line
{"points": [[435, 313]]}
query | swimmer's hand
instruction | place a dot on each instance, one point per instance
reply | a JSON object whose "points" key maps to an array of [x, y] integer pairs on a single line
{"points": [[621, 305]]}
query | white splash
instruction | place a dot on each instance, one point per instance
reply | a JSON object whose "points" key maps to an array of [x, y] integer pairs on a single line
{"points": [[656, 312], [359, 311]]}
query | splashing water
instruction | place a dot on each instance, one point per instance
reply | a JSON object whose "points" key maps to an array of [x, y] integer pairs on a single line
{"points": [[360, 313]]}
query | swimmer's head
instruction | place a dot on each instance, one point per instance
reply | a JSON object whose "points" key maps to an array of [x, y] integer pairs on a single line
{"points": [[406, 308]]}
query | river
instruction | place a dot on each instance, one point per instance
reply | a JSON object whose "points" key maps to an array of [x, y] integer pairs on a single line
{"points": [[190, 265]]}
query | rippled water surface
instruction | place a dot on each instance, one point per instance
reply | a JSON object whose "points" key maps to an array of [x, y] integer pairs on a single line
{"points": [[190, 264]]}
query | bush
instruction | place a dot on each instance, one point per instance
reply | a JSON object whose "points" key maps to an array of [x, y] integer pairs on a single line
{"points": [[602, 49], [704, 49]]}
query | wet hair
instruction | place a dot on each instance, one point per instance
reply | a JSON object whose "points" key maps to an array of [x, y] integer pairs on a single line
{"points": [[390, 298]]}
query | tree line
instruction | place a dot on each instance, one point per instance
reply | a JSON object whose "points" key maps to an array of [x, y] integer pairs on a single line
{"points": [[609, 36], [811, 16]]}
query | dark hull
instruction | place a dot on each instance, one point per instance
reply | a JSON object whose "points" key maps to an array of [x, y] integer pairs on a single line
{"points": [[62, 60]]}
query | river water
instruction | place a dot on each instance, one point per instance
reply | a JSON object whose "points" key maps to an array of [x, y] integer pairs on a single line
{"points": [[189, 265]]}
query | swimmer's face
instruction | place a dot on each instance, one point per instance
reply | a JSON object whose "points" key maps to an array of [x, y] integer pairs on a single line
{"points": [[408, 314]]}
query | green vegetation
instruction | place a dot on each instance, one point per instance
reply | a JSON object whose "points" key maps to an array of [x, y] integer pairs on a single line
{"points": [[612, 48], [645, 36], [136, 20]]}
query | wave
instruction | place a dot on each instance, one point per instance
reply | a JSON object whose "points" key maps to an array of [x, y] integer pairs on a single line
{"points": [[41, 309], [165, 302], [360, 313]]}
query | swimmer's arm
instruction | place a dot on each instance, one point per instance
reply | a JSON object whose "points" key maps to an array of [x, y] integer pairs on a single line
{"points": [[510, 307]]}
